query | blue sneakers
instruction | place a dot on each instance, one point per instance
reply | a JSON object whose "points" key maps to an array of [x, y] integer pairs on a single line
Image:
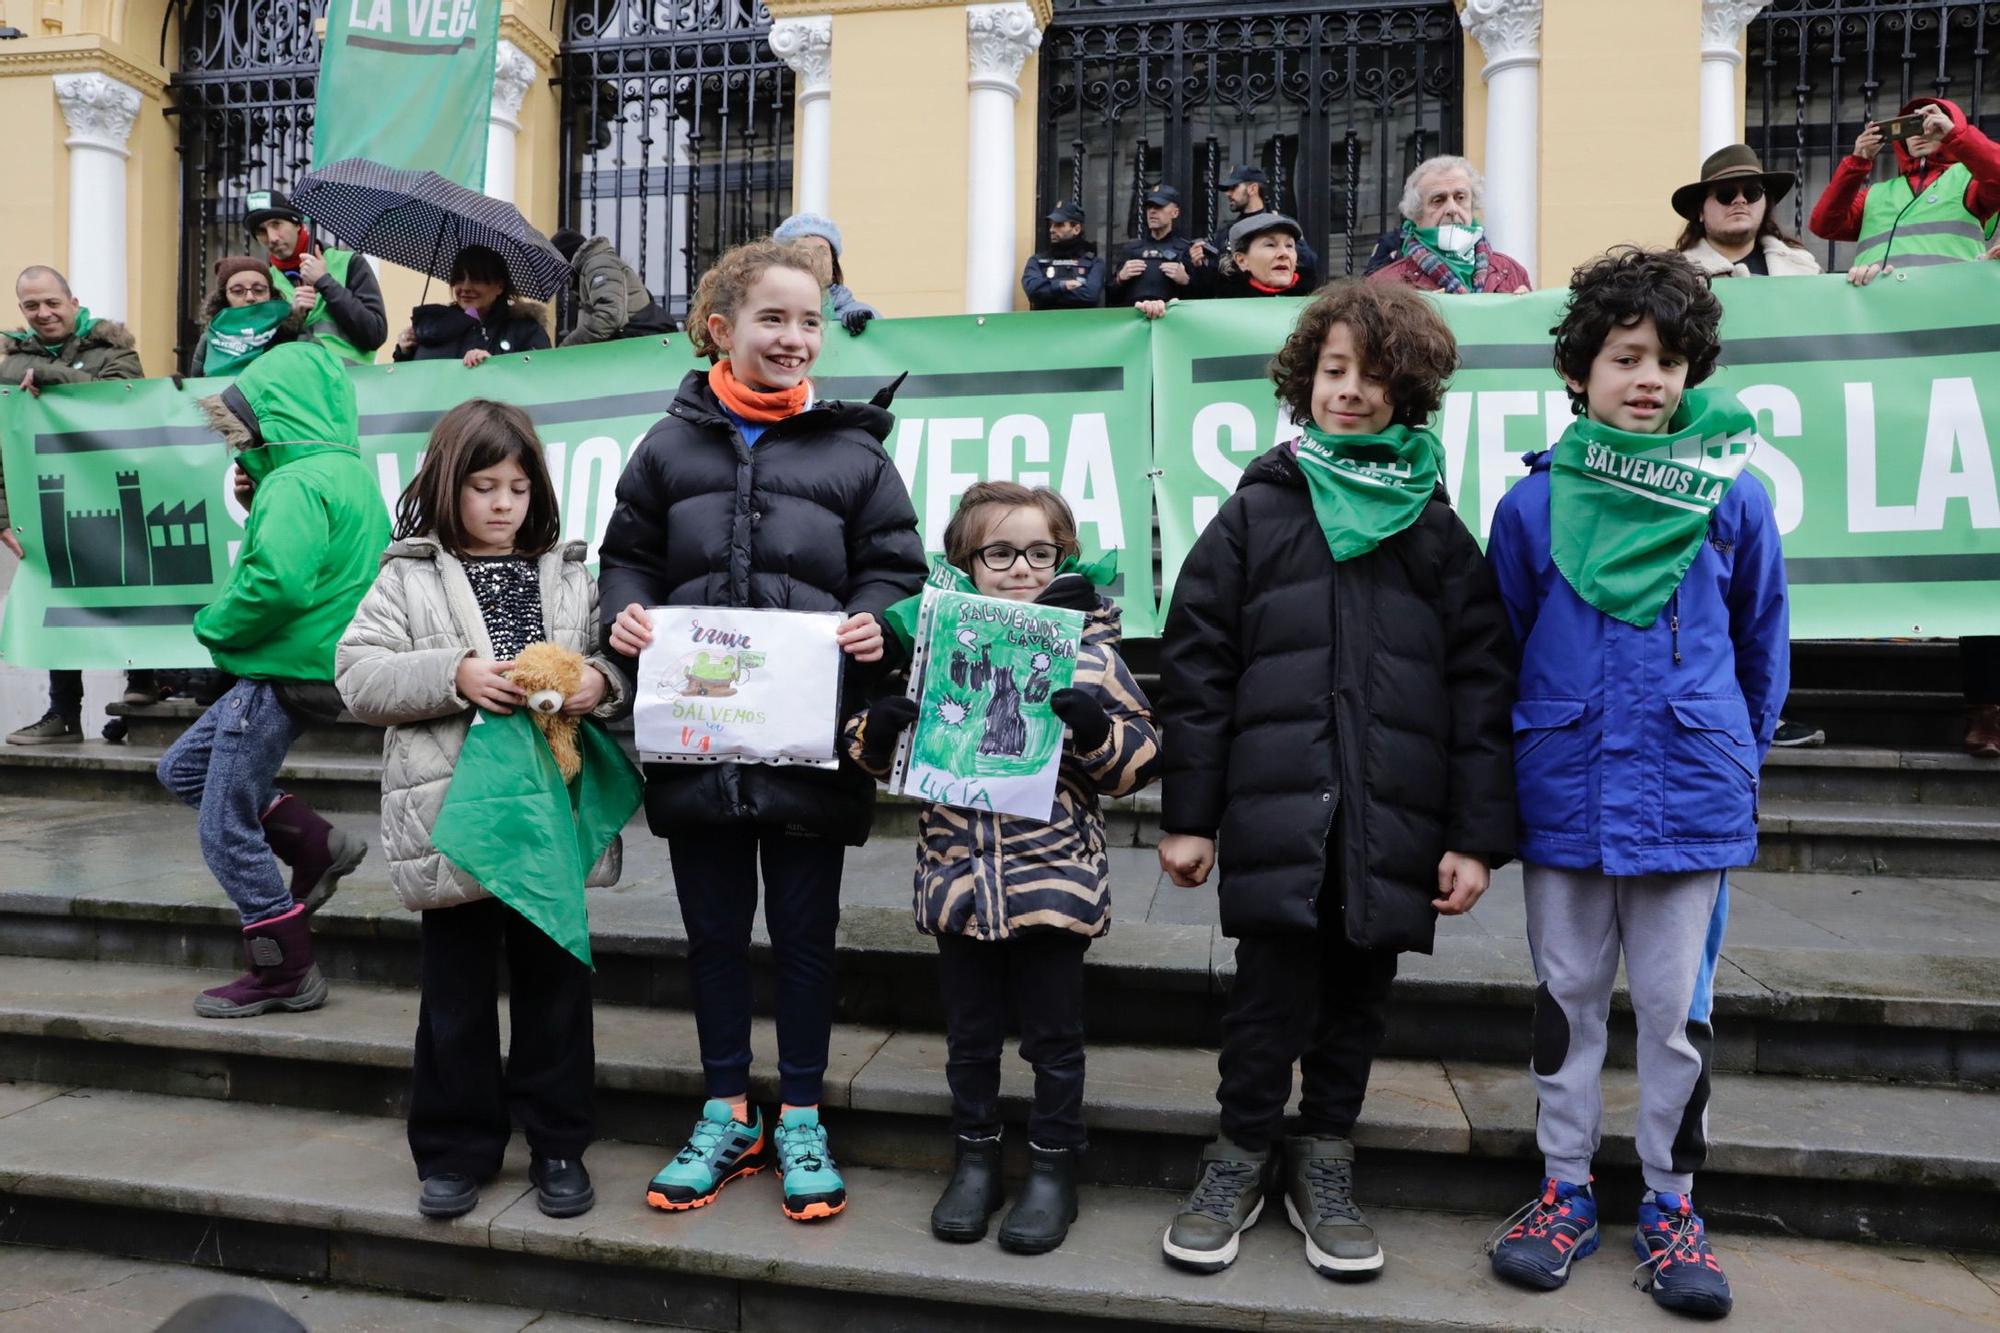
{"points": [[813, 1187], [1675, 1263], [1542, 1240], [720, 1149]]}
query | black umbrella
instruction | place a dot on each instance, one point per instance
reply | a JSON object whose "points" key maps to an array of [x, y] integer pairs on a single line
{"points": [[421, 220]]}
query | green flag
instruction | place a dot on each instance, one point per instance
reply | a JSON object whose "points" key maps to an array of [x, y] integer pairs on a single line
{"points": [[409, 84], [1628, 513], [509, 822]]}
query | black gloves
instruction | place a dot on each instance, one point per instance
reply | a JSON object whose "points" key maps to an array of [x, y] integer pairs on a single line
{"points": [[1089, 724], [887, 720], [855, 318], [1070, 592]]}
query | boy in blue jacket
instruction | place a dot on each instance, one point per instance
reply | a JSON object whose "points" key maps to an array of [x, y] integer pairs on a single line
{"points": [[1641, 569]]}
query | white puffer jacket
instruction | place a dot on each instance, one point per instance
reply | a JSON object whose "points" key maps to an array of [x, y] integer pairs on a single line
{"points": [[397, 667]]}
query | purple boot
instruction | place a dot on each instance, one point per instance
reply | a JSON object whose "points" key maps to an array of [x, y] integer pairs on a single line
{"points": [[282, 973], [319, 854]]}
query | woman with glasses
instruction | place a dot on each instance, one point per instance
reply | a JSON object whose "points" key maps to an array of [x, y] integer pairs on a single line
{"points": [[243, 317]]}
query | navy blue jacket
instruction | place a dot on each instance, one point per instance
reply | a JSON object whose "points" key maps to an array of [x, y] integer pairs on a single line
{"points": [[1636, 751], [1043, 278]]}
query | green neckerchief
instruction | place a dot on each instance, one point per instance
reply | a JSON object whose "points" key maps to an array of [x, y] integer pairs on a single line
{"points": [[1460, 265], [85, 322], [1628, 513], [901, 618], [238, 335], [1367, 488]]}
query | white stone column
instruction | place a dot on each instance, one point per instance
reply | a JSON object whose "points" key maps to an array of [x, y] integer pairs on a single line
{"points": [[513, 75], [999, 40], [99, 111], [1510, 32], [806, 44], [1722, 25]]}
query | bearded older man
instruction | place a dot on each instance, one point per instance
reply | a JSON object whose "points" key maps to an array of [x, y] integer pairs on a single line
{"points": [[1444, 246]]}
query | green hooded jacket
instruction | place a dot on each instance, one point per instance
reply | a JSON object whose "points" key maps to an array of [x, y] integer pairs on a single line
{"points": [[317, 525]]}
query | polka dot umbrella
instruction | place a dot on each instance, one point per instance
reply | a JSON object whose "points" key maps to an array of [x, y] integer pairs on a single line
{"points": [[421, 220]]}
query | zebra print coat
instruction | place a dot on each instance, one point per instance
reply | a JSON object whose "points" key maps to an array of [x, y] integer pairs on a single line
{"points": [[995, 876]]}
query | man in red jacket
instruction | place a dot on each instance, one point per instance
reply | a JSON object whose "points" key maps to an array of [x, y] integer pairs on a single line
{"points": [[1939, 207]]}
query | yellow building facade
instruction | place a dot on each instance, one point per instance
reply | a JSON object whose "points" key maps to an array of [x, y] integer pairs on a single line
{"points": [[916, 127]]}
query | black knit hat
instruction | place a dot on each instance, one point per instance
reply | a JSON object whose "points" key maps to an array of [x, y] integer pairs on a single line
{"points": [[568, 241], [263, 205]]}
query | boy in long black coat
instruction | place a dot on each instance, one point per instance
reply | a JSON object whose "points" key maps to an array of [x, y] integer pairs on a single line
{"points": [[1337, 678]]}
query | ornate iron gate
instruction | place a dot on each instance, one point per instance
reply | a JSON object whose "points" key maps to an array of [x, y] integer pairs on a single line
{"points": [[676, 132], [1819, 70], [243, 90], [1337, 100]]}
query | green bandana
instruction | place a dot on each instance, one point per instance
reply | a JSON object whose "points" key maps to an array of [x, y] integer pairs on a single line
{"points": [[85, 321], [1459, 263], [1367, 488], [901, 618], [1628, 513], [238, 335]]}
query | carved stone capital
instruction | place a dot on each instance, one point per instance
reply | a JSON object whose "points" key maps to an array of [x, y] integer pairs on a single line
{"points": [[806, 44], [999, 39], [1509, 31], [98, 109], [513, 75], [1722, 25]]}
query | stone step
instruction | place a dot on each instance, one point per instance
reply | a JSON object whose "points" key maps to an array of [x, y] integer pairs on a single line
{"points": [[1816, 1153], [1861, 977], [76, 1291], [1867, 715], [1920, 807], [329, 1197]]}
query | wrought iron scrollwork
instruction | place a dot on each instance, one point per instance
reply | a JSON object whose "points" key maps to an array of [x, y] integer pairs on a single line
{"points": [[1336, 100]]}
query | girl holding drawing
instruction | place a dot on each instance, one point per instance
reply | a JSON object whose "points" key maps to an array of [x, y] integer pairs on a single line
{"points": [[752, 494], [1013, 901]]}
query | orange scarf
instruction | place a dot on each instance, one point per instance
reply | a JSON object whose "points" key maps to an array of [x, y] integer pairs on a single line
{"points": [[758, 405]]}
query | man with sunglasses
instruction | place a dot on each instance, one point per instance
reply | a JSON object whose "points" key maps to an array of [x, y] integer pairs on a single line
{"points": [[1732, 226]]}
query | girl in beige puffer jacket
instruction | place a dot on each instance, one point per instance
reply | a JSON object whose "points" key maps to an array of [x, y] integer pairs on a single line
{"points": [[474, 575]]}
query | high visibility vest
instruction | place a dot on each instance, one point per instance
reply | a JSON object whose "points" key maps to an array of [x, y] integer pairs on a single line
{"points": [[320, 323], [1910, 232]]}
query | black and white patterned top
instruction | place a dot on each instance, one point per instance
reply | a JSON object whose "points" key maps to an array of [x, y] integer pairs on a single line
{"points": [[509, 589]]}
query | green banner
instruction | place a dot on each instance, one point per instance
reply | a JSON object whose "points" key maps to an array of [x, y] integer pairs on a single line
{"points": [[1879, 409], [408, 83]]}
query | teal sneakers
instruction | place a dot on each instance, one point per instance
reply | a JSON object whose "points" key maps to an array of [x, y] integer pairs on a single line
{"points": [[720, 1149], [813, 1187]]}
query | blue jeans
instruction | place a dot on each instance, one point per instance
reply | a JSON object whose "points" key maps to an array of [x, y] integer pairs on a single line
{"points": [[225, 766]]}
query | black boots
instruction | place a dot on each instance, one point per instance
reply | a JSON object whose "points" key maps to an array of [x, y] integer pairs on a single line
{"points": [[1039, 1220], [973, 1195], [562, 1186]]}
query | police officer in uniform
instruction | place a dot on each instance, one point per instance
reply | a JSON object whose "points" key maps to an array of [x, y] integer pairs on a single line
{"points": [[1067, 273], [1248, 187], [1156, 266]]}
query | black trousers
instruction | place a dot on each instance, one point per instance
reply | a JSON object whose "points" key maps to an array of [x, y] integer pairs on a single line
{"points": [[1038, 977], [1311, 998], [1979, 658], [459, 1096], [66, 695], [715, 875]]}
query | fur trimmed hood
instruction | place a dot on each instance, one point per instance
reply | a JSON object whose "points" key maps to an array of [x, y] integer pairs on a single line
{"points": [[104, 333]]}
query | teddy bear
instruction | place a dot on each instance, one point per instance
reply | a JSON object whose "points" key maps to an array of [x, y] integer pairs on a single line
{"points": [[548, 674]]}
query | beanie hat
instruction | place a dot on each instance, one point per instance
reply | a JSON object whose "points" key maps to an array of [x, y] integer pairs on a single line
{"points": [[567, 242], [801, 225], [229, 266]]}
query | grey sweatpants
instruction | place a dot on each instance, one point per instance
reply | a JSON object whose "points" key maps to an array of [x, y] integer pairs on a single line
{"points": [[1577, 922]]}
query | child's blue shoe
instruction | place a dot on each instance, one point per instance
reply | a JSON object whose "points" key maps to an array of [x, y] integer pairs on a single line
{"points": [[1676, 1264], [720, 1149], [813, 1187], [1536, 1246]]}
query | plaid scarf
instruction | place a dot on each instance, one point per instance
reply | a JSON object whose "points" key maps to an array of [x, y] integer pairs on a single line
{"points": [[1433, 265]]}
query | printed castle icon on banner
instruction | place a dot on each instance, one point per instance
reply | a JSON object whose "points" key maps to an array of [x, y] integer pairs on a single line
{"points": [[126, 547]]}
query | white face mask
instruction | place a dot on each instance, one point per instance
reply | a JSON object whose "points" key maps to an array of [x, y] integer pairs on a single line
{"points": [[1456, 240]]}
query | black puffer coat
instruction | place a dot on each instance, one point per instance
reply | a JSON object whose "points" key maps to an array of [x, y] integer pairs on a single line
{"points": [[447, 333], [814, 518], [1295, 691]]}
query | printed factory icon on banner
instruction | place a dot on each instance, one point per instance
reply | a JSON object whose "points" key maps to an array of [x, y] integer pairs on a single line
{"points": [[126, 547]]}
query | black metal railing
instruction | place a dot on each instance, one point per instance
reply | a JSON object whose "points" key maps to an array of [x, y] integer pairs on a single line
{"points": [[1336, 100], [243, 89], [676, 133], [1820, 70]]}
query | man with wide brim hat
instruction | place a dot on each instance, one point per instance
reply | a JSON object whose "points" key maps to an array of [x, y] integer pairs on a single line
{"points": [[1732, 219]]}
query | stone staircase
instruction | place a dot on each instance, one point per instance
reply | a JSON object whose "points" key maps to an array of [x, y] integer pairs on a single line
{"points": [[1854, 1174]]}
